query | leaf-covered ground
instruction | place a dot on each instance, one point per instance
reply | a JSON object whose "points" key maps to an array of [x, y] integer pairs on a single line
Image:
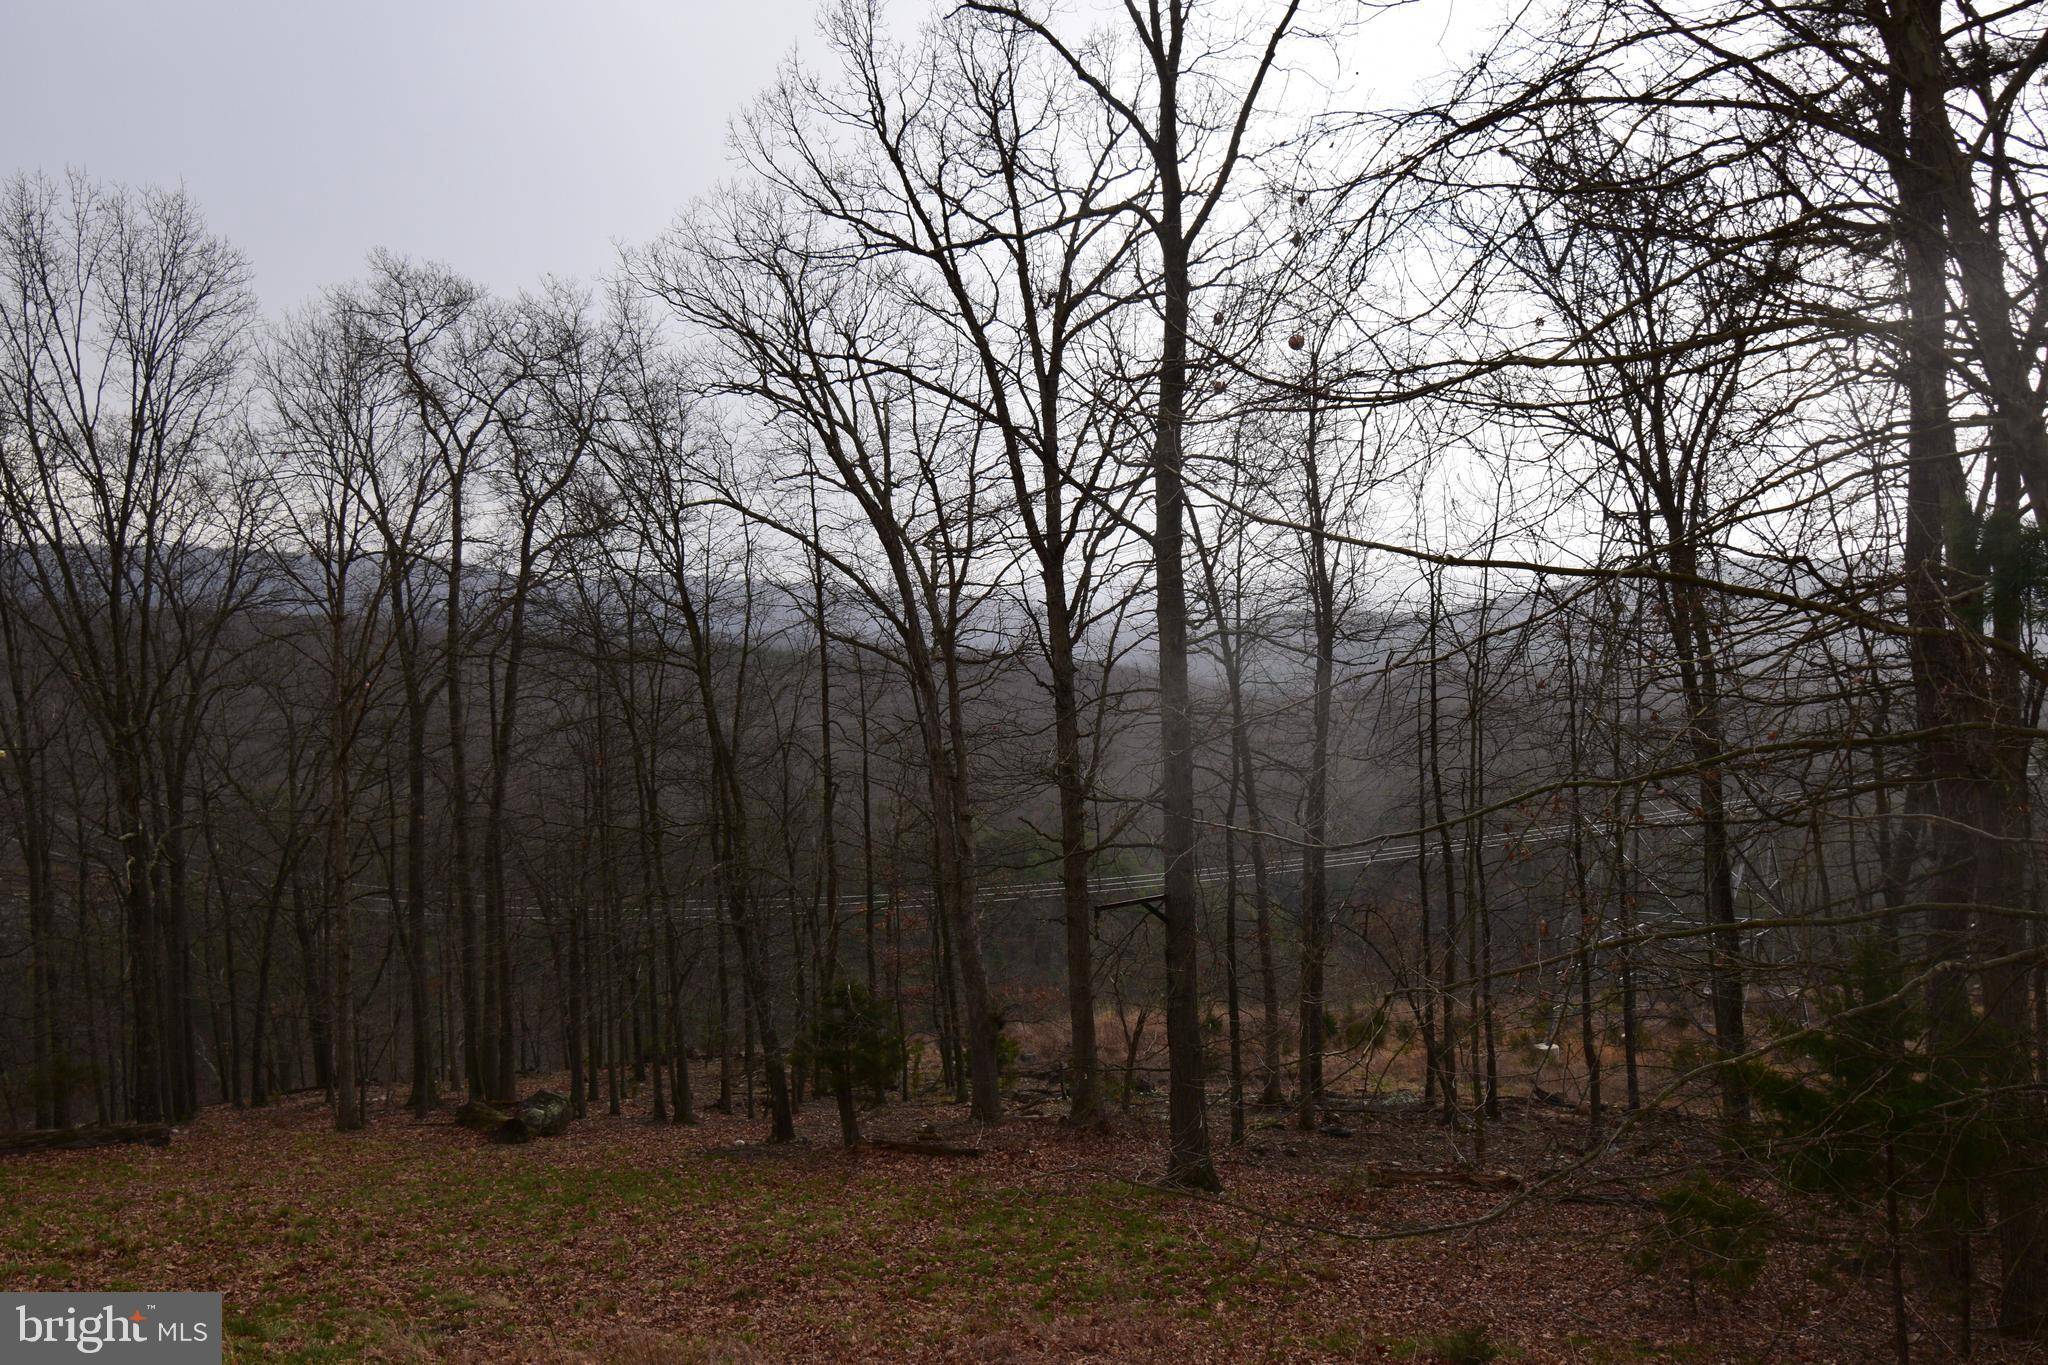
{"points": [[630, 1241]]}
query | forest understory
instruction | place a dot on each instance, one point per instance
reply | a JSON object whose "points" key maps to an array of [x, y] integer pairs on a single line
{"points": [[628, 1240]]}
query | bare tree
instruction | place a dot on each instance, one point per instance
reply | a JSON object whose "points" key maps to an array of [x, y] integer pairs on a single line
{"points": [[1201, 93], [123, 323]]}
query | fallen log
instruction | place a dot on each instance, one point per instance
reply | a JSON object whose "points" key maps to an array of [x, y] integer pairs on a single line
{"points": [[1377, 1104], [921, 1148], [1450, 1175], [91, 1135], [1620, 1201], [484, 1118]]}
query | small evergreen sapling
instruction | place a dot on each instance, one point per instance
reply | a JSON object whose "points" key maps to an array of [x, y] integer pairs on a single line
{"points": [[1706, 1232], [853, 1041], [1886, 1117]]}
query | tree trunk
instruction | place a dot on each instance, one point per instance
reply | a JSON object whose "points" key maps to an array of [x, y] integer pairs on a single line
{"points": [[1189, 1162]]}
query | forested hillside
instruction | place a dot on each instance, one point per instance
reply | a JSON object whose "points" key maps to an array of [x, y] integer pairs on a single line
{"points": [[1110, 589]]}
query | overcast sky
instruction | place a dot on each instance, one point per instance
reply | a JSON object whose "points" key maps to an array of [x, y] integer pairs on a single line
{"points": [[509, 138]]}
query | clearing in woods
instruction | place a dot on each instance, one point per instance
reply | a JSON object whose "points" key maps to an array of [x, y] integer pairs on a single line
{"points": [[631, 1241]]}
